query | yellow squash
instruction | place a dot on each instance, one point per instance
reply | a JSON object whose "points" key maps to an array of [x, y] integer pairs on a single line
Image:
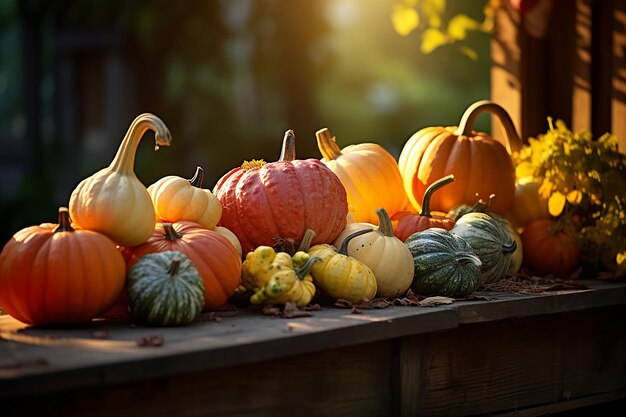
{"points": [[113, 201], [287, 283]]}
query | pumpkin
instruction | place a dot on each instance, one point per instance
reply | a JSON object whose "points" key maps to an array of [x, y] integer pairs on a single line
{"points": [[480, 164], [176, 198], [444, 263], [529, 205], [341, 276], [113, 201], [165, 289], [550, 248], [215, 257], [53, 274], [369, 174], [383, 252], [407, 223], [263, 203], [490, 241], [232, 238]]}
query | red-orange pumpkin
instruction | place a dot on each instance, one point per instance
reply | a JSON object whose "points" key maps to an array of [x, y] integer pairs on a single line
{"points": [[407, 223], [215, 258], [550, 249], [480, 164], [52, 274], [265, 203]]}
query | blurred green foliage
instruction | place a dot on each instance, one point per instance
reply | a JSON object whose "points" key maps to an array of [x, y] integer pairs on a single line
{"points": [[229, 77]]}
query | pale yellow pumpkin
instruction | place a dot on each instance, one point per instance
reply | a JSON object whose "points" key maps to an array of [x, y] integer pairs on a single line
{"points": [[113, 201], [528, 204], [232, 238], [369, 174], [386, 255], [176, 198]]}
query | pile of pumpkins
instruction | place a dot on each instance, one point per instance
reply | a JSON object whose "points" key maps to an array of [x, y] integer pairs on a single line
{"points": [[359, 225]]}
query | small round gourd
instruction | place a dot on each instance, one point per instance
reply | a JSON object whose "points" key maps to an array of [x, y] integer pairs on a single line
{"points": [[444, 264], [490, 241], [165, 289]]}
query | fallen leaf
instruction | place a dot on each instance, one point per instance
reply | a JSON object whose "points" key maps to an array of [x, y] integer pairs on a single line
{"points": [[436, 301], [156, 340], [291, 311]]}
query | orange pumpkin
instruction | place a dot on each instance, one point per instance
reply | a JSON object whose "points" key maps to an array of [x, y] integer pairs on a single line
{"points": [[407, 223], [369, 174], [215, 257], [550, 248], [480, 164], [52, 274]]}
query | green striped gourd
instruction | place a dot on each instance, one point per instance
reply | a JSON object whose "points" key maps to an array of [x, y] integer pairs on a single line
{"points": [[490, 241], [444, 264], [165, 289]]}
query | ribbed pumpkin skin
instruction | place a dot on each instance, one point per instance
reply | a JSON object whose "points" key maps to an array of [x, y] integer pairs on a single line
{"points": [[490, 241], [444, 264], [556, 252], [282, 200], [61, 278], [213, 255], [408, 223], [369, 174], [158, 297], [480, 164]]}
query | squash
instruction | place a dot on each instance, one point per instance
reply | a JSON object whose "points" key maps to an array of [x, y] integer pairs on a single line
{"points": [[341, 276], [215, 257], [165, 289], [407, 223], [232, 238], [445, 264], [113, 201], [529, 205], [550, 248], [263, 203], [369, 174], [490, 241], [53, 274], [480, 164], [176, 198], [383, 252]]}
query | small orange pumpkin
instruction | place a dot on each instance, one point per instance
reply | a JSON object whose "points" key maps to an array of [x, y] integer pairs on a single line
{"points": [[550, 248], [480, 164], [52, 274]]}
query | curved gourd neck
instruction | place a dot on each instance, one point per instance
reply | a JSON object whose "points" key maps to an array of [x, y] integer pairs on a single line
{"points": [[441, 182], [124, 160], [303, 271], [465, 258], [343, 250], [327, 145], [514, 144], [385, 227], [198, 178]]}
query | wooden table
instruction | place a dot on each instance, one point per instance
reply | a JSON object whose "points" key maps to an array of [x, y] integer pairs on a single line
{"points": [[519, 355]]}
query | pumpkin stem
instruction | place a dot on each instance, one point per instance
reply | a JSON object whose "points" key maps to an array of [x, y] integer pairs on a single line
{"points": [[125, 158], [197, 178], [344, 246], [441, 182], [307, 239], [174, 266], [65, 225], [513, 143], [302, 272], [385, 227], [327, 145], [509, 247], [464, 258], [255, 163], [288, 151], [171, 234]]}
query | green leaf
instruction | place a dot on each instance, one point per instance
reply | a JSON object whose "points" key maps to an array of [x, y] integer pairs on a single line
{"points": [[460, 24], [432, 39], [556, 204], [405, 19]]}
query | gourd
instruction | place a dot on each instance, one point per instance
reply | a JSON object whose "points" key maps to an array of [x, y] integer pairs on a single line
{"points": [[213, 255], [369, 174], [480, 164], [383, 252], [53, 274], [176, 198], [263, 203], [445, 264], [550, 248], [113, 201], [407, 223], [341, 276], [529, 205], [490, 241], [232, 238], [165, 289]]}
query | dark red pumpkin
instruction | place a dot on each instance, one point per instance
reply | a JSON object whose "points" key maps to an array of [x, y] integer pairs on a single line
{"points": [[263, 203], [550, 248]]}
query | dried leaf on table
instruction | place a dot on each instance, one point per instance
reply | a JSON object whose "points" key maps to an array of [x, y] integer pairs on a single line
{"points": [[435, 301], [291, 311], [155, 340]]}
